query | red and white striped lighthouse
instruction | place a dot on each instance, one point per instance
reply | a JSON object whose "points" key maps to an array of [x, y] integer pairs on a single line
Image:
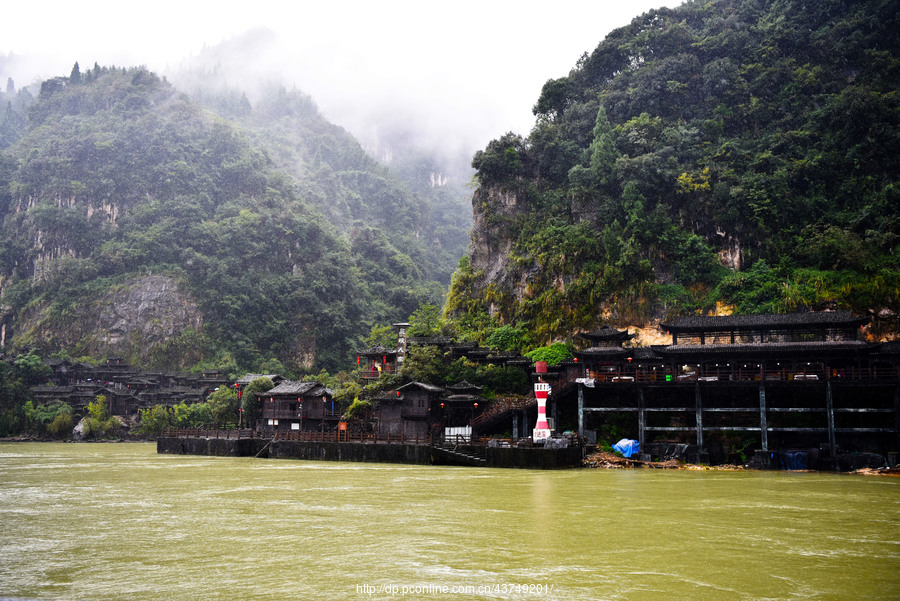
{"points": [[542, 428]]}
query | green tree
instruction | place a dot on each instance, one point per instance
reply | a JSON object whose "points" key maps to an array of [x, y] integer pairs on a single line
{"points": [[425, 321], [154, 420], [75, 75], [54, 418], [552, 353], [98, 421], [501, 160], [507, 338], [385, 336], [223, 403], [250, 401], [32, 369]]}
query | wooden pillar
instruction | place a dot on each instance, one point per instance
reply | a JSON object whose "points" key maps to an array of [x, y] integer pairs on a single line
{"points": [[897, 415], [515, 425], [581, 410], [699, 401], [641, 422], [829, 408], [763, 427]]}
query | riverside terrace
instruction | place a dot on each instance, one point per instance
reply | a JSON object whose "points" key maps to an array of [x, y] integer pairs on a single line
{"points": [[738, 383]]}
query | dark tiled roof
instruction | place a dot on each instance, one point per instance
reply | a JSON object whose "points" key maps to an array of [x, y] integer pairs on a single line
{"points": [[298, 388], [423, 386], [606, 351], [55, 390], [607, 333], [246, 379], [728, 322], [376, 351], [464, 345], [519, 361], [464, 398], [767, 347], [430, 340], [464, 385], [291, 387], [645, 353]]}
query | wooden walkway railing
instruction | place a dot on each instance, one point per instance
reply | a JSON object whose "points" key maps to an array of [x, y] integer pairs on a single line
{"points": [[359, 437], [235, 433]]}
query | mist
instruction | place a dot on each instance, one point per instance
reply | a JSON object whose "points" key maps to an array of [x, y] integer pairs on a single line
{"points": [[444, 77]]}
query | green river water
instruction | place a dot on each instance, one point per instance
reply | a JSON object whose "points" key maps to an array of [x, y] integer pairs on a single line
{"points": [[118, 521]]}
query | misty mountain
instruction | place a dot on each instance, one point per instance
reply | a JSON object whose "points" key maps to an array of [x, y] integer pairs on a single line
{"points": [[137, 222], [736, 152], [413, 184]]}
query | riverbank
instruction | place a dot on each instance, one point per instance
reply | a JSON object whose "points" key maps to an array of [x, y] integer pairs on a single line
{"points": [[610, 461]]}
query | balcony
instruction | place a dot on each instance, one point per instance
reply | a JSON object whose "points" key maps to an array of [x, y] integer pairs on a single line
{"points": [[373, 374]]}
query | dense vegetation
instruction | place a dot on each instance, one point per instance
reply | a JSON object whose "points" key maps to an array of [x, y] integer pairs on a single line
{"points": [[284, 240], [734, 151]]}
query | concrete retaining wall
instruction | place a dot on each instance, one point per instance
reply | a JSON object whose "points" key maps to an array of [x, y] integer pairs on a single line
{"points": [[216, 447], [524, 458], [352, 451]]}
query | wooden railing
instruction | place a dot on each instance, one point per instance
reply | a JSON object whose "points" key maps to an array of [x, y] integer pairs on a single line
{"points": [[374, 374], [359, 437], [813, 373]]}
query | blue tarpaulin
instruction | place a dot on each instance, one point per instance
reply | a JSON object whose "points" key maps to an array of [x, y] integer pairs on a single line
{"points": [[793, 460], [627, 447]]}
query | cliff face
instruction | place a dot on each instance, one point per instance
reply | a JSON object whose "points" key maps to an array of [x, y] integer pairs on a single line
{"points": [[140, 319], [716, 153], [152, 308], [494, 211]]}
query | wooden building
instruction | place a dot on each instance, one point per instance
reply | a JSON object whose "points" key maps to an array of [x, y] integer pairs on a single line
{"points": [[458, 409], [299, 406], [772, 381], [377, 360], [410, 411], [127, 389]]}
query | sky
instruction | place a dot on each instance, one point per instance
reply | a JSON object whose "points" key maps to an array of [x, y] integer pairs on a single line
{"points": [[461, 73]]}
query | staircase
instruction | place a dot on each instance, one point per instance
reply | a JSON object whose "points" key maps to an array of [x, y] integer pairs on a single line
{"points": [[450, 453], [500, 409]]}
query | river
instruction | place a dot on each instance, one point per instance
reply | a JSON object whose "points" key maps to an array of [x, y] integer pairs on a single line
{"points": [[118, 521]]}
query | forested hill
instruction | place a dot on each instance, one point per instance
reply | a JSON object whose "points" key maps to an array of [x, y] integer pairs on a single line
{"points": [[137, 223], [736, 152]]}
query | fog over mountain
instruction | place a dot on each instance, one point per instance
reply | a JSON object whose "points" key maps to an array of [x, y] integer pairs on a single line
{"points": [[453, 76]]}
